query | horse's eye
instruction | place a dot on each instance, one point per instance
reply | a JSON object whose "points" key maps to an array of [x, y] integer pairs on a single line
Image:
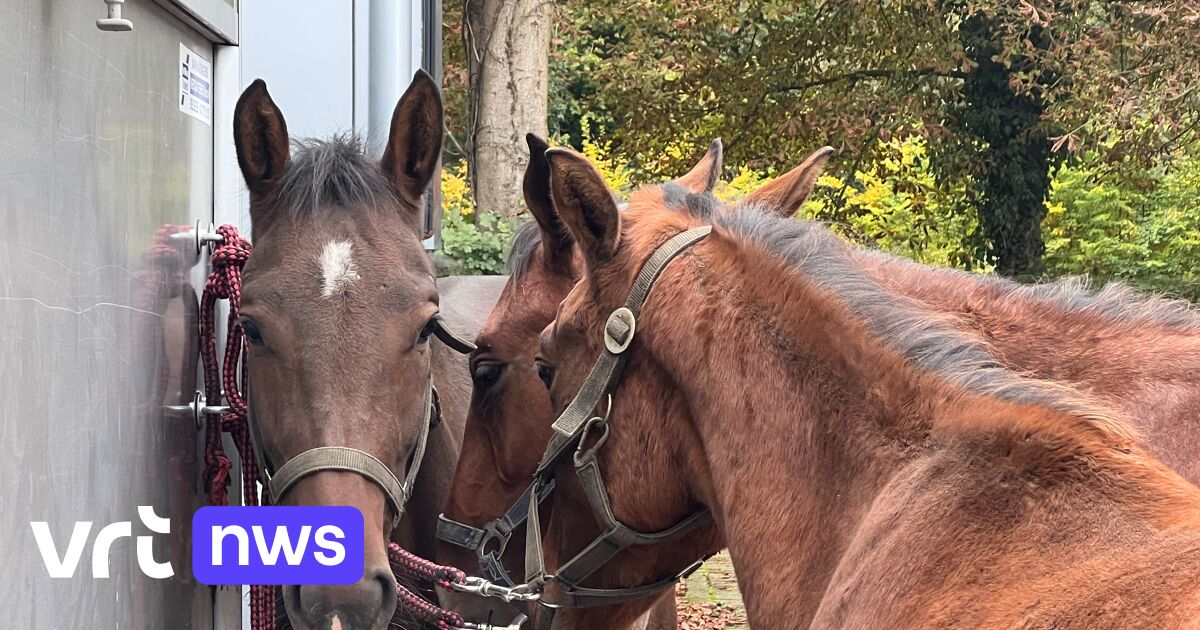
{"points": [[545, 372], [250, 330], [485, 373], [428, 330]]}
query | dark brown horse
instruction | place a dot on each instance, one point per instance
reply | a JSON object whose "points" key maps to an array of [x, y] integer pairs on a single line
{"points": [[339, 306], [867, 465], [509, 419]]}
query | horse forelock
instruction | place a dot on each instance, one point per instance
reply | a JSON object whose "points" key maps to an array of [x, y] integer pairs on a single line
{"points": [[333, 173], [525, 242]]}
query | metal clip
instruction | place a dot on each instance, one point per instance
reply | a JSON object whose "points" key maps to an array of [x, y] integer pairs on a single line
{"points": [[197, 410], [515, 625], [483, 588], [593, 422]]}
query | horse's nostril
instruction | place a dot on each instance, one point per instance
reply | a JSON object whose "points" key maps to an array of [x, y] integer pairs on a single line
{"points": [[387, 582], [367, 604]]}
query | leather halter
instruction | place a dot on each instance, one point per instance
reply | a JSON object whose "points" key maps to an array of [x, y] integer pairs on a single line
{"points": [[343, 458], [490, 541], [570, 438]]}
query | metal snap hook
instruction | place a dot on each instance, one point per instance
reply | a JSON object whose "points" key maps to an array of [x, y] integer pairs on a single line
{"points": [[595, 421]]}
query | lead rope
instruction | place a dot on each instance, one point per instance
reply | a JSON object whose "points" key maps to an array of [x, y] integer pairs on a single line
{"points": [[225, 283], [226, 381]]}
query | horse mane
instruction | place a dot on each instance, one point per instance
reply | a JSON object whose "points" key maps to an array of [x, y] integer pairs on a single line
{"points": [[333, 172], [926, 338], [1116, 302], [529, 235], [520, 253]]}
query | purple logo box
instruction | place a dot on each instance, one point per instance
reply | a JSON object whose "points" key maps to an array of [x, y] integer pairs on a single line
{"points": [[277, 545]]}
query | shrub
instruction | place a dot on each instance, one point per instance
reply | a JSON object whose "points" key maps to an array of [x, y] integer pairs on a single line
{"points": [[896, 204], [471, 245], [1109, 229]]}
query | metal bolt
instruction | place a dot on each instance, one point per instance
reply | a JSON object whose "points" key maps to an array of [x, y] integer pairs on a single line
{"points": [[114, 21], [197, 410], [204, 234]]}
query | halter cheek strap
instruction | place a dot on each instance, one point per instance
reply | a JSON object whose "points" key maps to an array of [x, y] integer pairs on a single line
{"points": [[570, 437], [344, 458]]}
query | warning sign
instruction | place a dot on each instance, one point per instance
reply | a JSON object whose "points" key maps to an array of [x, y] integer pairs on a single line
{"points": [[195, 85]]}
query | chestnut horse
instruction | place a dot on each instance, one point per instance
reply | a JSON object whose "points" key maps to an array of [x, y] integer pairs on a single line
{"points": [[1134, 353], [866, 464], [338, 307], [508, 422]]}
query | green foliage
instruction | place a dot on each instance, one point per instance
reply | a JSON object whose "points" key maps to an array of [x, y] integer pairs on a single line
{"points": [[472, 243], [1005, 124], [1107, 229], [473, 249], [896, 204]]}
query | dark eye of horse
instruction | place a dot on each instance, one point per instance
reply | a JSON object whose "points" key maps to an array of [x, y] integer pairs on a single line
{"points": [[486, 373], [250, 330], [545, 372]]}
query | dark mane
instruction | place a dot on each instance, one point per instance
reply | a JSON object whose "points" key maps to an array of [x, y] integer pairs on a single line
{"points": [[529, 236], [700, 205], [928, 339], [526, 240], [334, 172], [1115, 301]]}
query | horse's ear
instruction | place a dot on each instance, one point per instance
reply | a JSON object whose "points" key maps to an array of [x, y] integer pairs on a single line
{"points": [[261, 139], [706, 172], [556, 242], [414, 146], [785, 194], [585, 205]]}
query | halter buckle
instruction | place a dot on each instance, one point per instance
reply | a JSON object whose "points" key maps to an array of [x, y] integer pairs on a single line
{"points": [[493, 532], [619, 329], [515, 625]]}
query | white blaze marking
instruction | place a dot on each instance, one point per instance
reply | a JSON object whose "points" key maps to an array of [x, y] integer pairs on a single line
{"points": [[337, 268]]}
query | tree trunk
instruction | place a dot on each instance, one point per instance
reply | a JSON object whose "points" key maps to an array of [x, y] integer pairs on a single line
{"points": [[507, 48], [1017, 156]]}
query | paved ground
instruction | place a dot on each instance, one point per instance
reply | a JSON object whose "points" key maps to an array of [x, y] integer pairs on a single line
{"points": [[709, 599]]}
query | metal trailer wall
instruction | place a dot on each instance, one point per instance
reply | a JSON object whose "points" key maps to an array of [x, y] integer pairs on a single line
{"points": [[98, 307], [97, 317], [336, 66]]}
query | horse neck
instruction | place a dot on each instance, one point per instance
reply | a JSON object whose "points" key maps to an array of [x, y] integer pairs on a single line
{"points": [[802, 434], [1042, 335], [799, 433]]}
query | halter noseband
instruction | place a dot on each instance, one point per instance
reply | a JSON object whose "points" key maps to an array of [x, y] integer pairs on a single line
{"points": [[490, 541], [346, 459], [570, 437]]}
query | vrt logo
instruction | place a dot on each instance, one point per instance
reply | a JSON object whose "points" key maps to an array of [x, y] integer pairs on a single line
{"points": [[63, 566]]}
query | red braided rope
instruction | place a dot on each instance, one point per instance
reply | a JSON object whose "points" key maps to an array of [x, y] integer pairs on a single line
{"points": [[222, 381], [405, 562], [408, 563]]}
